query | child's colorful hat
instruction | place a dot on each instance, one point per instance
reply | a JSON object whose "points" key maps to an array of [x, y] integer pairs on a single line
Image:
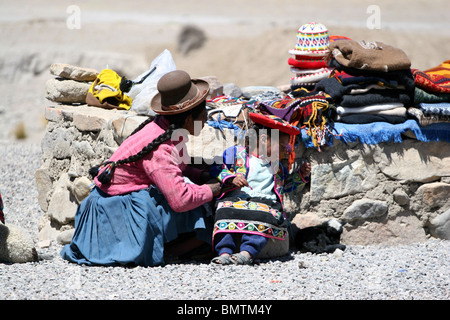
{"points": [[274, 122], [312, 40]]}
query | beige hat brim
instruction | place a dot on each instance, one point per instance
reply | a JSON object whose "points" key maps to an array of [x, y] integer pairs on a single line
{"points": [[203, 87]]}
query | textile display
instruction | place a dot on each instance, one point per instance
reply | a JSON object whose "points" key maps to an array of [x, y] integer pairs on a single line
{"points": [[369, 79], [440, 109], [420, 95], [431, 95], [433, 82], [378, 132], [341, 83], [426, 119], [369, 55], [312, 40], [311, 49], [375, 109], [370, 117], [443, 69], [401, 77], [304, 109]]}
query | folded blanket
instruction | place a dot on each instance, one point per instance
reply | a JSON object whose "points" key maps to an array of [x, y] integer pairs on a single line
{"points": [[443, 69], [339, 85], [401, 77], [375, 56], [426, 120], [442, 108], [375, 97], [395, 111], [369, 108], [421, 95], [364, 118], [431, 82], [371, 87]]}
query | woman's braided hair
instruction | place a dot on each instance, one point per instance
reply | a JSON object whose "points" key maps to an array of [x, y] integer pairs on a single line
{"points": [[176, 121]]}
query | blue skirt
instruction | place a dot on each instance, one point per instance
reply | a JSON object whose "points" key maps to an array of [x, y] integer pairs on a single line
{"points": [[130, 229]]}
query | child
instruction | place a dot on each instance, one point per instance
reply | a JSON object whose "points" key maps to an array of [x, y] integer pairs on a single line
{"points": [[252, 206]]}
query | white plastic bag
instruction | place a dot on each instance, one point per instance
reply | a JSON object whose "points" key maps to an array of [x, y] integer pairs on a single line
{"points": [[143, 93]]}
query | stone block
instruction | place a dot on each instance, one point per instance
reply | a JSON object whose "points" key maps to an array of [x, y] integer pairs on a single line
{"points": [[400, 230], [435, 195], [66, 91], [364, 209], [81, 188], [414, 161], [334, 180], [232, 90], [65, 237], [83, 148], [215, 87], [62, 206], [124, 126], [85, 122], [440, 226], [53, 114], [44, 186], [401, 197], [71, 72]]}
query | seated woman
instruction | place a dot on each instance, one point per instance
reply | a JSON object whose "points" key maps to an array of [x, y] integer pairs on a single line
{"points": [[252, 206], [141, 200]]}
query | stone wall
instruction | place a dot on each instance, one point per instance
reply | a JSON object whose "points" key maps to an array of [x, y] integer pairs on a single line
{"points": [[389, 193]]}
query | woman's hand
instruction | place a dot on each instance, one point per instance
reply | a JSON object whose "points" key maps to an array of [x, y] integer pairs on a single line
{"points": [[215, 188]]}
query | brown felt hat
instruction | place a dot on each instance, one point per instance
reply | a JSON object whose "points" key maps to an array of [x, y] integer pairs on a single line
{"points": [[178, 93]]}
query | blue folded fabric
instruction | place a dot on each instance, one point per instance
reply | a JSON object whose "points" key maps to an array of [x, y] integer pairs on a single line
{"points": [[378, 132], [439, 108]]}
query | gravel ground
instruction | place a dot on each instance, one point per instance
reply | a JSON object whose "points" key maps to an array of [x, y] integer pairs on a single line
{"points": [[407, 272]]}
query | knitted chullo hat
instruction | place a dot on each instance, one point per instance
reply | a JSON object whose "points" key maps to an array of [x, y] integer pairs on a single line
{"points": [[312, 40], [274, 122]]}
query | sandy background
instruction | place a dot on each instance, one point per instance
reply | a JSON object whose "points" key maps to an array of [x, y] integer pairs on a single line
{"points": [[247, 41]]}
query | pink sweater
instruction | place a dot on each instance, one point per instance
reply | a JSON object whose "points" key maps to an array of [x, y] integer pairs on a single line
{"points": [[161, 168]]}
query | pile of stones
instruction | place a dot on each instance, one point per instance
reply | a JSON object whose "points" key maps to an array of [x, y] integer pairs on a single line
{"points": [[71, 83]]}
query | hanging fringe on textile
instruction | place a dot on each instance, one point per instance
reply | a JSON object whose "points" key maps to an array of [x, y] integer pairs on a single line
{"points": [[310, 111], [317, 123]]}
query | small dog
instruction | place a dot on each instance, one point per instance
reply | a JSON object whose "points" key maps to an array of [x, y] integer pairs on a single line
{"points": [[16, 245], [323, 238]]}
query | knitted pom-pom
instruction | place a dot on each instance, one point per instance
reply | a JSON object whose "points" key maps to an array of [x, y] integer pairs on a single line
{"points": [[106, 175], [93, 172]]}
